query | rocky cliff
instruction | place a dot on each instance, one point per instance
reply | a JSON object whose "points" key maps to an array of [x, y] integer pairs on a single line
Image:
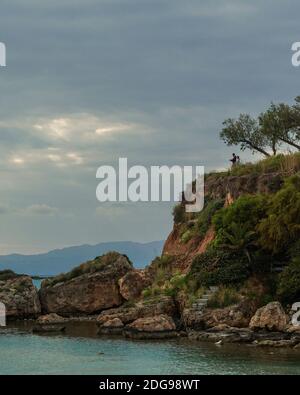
{"points": [[89, 288], [218, 188], [19, 296]]}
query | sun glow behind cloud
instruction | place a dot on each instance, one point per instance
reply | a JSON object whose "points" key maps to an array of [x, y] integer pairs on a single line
{"points": [[80, 126], [72, 139]]}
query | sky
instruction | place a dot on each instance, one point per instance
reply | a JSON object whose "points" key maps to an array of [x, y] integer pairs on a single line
{"points": [[89, 81]]}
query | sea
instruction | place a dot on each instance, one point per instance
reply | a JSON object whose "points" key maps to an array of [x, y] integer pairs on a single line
{"points": [[80, 351]]}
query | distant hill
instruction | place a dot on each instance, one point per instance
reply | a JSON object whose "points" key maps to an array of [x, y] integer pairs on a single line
{"points": [[62, 260]]}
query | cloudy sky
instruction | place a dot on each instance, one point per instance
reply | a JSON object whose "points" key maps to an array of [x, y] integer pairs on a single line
{"points": [[89, 81]]}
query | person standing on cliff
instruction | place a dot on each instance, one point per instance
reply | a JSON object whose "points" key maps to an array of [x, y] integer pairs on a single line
{"points": [[233, 160]]}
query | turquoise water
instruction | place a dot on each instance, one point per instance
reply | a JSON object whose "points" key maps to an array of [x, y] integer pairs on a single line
{"points": [[74, 354], [37, 283]]}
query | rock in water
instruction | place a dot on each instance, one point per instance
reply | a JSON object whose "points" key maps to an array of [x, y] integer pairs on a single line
{"points": [[87, 289], [165, 305], [48, 329], [271, 317], [156, 327], [20, 297], [111, 327], [52, 318]]}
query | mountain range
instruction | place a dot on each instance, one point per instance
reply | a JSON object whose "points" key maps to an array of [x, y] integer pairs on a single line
{"points": [[62, 260]]}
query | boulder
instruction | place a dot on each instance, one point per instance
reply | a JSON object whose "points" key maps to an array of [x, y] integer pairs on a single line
{"points": [[270, 317], [87, 289], [52, 318], [48, 329], [234, 316], [156, 327], [20, 297], [276, 343], [232, 335], [133, 283], [111, 327], [165, 305], [113, 323]]}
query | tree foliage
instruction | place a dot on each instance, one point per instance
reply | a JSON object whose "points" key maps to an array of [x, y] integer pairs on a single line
{"points": [[247, 211], [282, 225], [278, 125], [245, 132], [289, 282]]}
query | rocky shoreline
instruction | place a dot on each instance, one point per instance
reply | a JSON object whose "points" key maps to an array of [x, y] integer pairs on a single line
{"points": [[107, 291], [161, 327]]}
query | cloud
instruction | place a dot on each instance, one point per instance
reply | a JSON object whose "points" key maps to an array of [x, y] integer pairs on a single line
{"points": [[3, 209], [41, 209]]}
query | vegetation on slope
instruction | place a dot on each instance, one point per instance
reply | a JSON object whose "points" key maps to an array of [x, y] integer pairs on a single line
{"points": [[96, 265]]}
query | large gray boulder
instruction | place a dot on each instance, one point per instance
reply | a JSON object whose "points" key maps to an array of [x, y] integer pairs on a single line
{"points": [[271, 317]]}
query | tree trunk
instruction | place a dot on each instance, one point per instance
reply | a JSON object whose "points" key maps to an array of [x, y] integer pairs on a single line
{"points": [[290, 143], [261, 150]]}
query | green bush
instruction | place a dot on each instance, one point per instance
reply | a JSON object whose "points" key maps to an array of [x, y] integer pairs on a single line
{"points": [[175, 284], [225, 296], [278, 163], [235, 225], [146, 293], [246, 209], [215, 267], [179, 213], [204, 218], [98, 264], [282, 224], [289, 282], [294, 250], [165, 261], [186, 236], [7, 275]]}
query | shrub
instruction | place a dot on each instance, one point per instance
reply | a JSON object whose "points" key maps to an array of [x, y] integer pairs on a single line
{"points": [[225, 296], [146, 293], [235, 225], [282, 225], [175, 284], [289, 282], [7, 275], [246, 209], [216, 267], [179, 213], [205, 216], [294, 250], [165, 261], [279, 163], [186, 236], [98, 264]]}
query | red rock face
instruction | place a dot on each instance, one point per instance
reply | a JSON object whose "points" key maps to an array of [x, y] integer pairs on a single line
{"points": [[184, 253]]}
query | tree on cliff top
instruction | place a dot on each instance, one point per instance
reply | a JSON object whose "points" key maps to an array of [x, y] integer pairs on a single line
{"points": [[279, 124], [245, 132]]}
